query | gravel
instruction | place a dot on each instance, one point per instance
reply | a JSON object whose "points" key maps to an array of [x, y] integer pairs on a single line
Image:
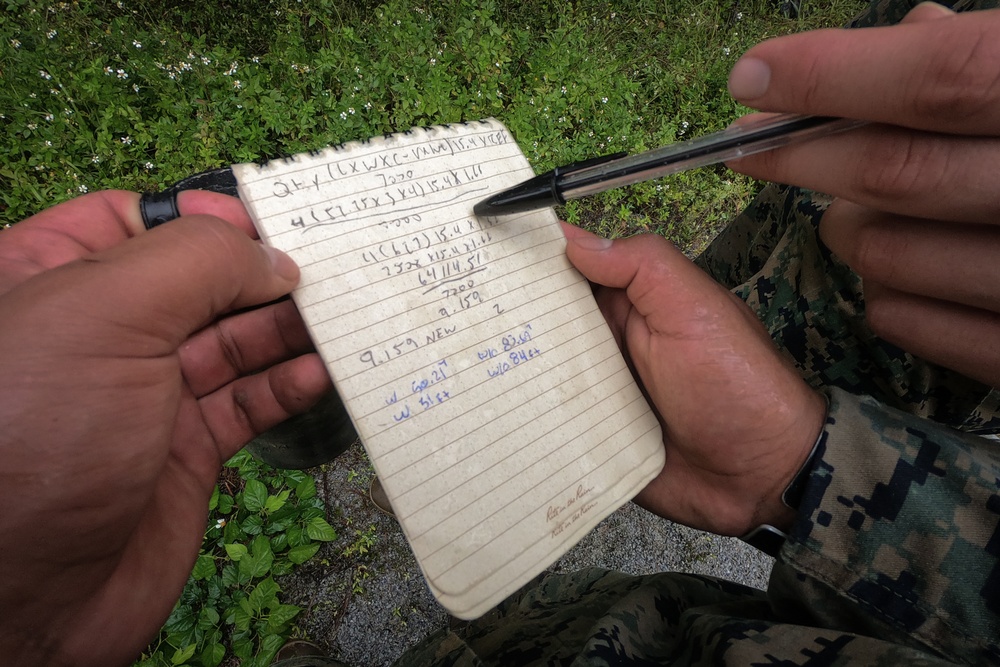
{"points": [[368, 608]]}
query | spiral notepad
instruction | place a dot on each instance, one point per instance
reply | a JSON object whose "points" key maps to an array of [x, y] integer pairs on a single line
{"points": [[482, 378]]}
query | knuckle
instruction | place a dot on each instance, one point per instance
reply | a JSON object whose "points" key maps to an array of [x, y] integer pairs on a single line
{"points": [[881, 318], [230, 347], [962, 83], [874, 252], [899, 164]]}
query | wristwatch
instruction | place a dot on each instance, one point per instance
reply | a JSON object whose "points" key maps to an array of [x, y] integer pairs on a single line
{"points": [[766, 537]]}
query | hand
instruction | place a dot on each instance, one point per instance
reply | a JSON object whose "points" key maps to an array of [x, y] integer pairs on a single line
{"points": [[123, 394], [918, 208], [738, 422]]}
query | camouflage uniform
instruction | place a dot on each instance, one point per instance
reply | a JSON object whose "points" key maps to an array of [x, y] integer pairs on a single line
{"points": [[895, 554]]}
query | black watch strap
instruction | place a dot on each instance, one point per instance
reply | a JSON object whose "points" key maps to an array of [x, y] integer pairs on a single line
{"points": [[769, 539]]}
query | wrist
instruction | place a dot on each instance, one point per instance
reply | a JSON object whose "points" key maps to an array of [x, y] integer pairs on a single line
{"points": [[772, 525]]}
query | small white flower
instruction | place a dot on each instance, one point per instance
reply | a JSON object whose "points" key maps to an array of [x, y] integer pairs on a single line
{"points": [[135, 87], [15, 43], [221, 523], [51, 34], [725, 50], [127, 140], [237, 84], [49, 117], [343, 115], [95, 158], [82, 187], [45, 75], [49, 144], [136, 43], [433, 62], [32, 126], [206, 61], [350, 110], [255, 59], [148, 166], [604, 100], [232, 69]]}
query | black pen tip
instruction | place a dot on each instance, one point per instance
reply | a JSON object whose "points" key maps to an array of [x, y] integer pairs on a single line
{"points": [[533, 194], [485, 207]]}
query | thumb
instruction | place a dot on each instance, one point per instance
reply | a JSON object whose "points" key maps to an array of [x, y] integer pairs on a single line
{"points": [[659, 280], [163, 285]]}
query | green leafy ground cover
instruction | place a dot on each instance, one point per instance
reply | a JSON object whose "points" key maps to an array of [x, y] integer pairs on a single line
{"points": [[98, 94]]}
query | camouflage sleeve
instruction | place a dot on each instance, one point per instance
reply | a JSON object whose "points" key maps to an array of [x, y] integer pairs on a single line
{"points": [[898, 535]]}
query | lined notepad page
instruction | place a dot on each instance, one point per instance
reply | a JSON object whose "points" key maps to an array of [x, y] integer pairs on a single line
{"points": [[472, 357]]}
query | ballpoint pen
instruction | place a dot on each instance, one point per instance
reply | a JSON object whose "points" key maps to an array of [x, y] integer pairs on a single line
{"points": [[582, 179]]}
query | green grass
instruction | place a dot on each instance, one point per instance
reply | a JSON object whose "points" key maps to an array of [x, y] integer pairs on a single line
{"points": [[99, 94]]}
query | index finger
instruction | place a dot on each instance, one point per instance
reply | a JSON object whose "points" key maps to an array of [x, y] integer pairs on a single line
{"points": [[95, 222], [936, 75]]}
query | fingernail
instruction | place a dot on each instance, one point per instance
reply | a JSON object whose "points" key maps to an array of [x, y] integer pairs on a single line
{"points": [[282, 264], [749, 79], [592, 242]]}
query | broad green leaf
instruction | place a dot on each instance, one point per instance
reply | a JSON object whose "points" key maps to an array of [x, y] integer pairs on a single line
{"points": [[299, 555], [281, 567], [263, 595], [181, 619], [269, 646], [253, 524], [212, 655], [213, 502], [319, 529], [275, 503], [225, 503], [230, 578], [306, 489], [182, 655], [279, 542], [241, 619], [296, 536], [254, 495], [243, 647], [208, 618], [236, 552], [281, 616], [204, 567]]}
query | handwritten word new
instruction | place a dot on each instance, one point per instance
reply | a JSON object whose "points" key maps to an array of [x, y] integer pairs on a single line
{"points": [[380, 355]]}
